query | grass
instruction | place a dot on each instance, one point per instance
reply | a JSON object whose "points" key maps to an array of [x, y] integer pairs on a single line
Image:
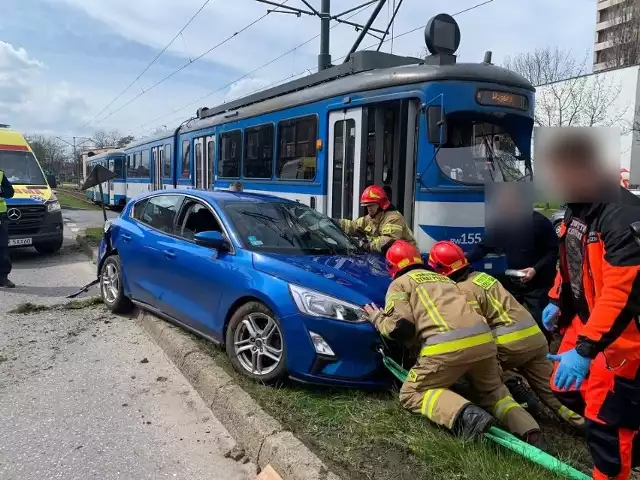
{"points": [[28, 307], [93, 235], [365, 435], [71, 201]]}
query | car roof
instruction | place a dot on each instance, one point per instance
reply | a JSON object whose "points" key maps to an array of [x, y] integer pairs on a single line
{"points": [[219, 195]]}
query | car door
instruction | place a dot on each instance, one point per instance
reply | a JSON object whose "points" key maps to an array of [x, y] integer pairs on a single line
{"points": [[201, 275], [149, 247]]}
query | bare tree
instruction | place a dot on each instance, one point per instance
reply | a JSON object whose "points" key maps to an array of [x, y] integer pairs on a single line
{"points": [[566, 95], [52, 154], [623, 36], [113, 139]]}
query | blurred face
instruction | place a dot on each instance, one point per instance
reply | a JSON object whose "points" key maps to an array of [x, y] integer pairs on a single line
{"points": [[575, 182], [373, 209]]}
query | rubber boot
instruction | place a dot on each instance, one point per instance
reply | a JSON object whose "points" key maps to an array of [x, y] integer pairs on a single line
{"points": [[472, 422], [535, 438]]}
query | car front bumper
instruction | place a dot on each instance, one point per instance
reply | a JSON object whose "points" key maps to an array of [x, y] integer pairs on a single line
{"points": [[35, 226]]}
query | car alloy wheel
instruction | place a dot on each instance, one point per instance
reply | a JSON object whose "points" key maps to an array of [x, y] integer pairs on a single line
{"points": [[110, 283], [557, 229], [257, 343]]}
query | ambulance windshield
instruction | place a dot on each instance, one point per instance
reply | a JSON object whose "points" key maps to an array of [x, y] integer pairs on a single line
{"points": [[21, 168]]}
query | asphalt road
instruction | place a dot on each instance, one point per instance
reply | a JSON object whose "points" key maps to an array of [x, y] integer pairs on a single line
{"points": [[85, 394], [76, 219]]}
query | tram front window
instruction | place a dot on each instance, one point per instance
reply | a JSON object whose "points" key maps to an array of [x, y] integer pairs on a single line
{"points": [[479, 151]]}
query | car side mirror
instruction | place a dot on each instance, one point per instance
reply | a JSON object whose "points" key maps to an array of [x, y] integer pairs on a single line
{"points": [[51, 180], [211, 239]]}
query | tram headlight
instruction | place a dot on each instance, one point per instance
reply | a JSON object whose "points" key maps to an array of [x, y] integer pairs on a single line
{"points": [[318, 304]]}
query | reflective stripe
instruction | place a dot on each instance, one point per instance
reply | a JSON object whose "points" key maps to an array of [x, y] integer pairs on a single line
{"points": [[518, 335], [484, 281], [455, 345], [499, 308], [429, 402], [503, 406], [568, 415], [475, 305], [392, 299], [390, 228], [429, 277], [431, 309], [458, 334], [3, 203]]}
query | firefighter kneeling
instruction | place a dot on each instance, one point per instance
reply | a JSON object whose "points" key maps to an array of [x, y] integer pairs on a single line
{"points": [[456, 342], [382, 225], [520, 342]]}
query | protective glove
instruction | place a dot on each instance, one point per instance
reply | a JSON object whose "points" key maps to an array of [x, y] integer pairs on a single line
{"points": [[549, 314], [573, 369]]}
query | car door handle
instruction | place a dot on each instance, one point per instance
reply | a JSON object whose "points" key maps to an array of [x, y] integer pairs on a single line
{"points": [[126, 237], [169, 254]]}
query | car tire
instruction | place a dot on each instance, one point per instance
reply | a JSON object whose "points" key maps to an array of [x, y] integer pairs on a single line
{"points": [[48, 248], [556, 227], [246, 348], [111, 286]]}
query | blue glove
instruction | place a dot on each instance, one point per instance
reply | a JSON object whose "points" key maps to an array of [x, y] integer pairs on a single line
{"points": [[573, 368], [549, 314]]}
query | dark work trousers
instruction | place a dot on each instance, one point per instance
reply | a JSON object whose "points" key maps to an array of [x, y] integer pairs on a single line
{"points": [[5, 260], [533, 300]]}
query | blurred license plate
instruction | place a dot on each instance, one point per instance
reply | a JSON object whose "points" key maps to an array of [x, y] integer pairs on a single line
{"points": [[15, 242]]}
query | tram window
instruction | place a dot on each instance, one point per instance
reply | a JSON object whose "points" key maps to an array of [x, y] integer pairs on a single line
{"points": [[230, 151], [478, 151], [186, 158], [258, 152], [133, 169], [167, 161], [144, 164], [297, 149], [117, 166]]}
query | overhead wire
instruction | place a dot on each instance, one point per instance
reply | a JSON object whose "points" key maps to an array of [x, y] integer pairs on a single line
{"points": [[400, 35], [149, 65], [191, 62]]}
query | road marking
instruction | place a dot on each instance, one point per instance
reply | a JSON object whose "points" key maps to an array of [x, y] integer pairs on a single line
{"points": [[71, 224], [74, 230]]}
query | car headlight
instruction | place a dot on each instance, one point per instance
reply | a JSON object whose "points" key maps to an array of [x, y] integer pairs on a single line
{"points": [[53, 206], [318, 304]]}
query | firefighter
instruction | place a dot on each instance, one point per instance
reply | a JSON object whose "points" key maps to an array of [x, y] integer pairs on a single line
{"points": [[6, 191], [456, 341], [520, 342], [594, 302], [383, 223]]}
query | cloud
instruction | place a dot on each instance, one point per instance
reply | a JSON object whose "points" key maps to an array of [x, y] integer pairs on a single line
{"points": [[27, 101]]}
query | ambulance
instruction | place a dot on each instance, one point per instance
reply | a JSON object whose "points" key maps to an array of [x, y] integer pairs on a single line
{"points": [[33, 214]]}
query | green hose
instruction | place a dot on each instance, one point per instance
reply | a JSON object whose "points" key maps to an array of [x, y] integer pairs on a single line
{"points": [[506, 439]]}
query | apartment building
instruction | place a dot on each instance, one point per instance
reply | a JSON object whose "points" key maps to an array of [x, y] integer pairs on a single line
{"points": [[611, 15]]}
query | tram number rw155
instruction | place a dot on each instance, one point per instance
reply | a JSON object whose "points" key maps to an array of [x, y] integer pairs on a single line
{"points": [[467, 239]]}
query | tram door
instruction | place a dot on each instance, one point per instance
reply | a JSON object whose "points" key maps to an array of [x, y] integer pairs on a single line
{"points": [[344, 164], [157, 161], [204, 148], [110, 192]]}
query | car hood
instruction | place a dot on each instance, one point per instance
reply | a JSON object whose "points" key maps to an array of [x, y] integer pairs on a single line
{"points": [[357, 279]]}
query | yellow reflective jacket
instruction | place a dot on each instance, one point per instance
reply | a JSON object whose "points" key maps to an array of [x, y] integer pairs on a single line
{"points": [[383, 229]]}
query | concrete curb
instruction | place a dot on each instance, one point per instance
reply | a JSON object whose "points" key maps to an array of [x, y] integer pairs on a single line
{"points": [[87, 249], [263, 438]]}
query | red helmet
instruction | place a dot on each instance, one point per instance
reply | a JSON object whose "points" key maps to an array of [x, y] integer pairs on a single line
{"points": [[375, 194], [446, 258], [401, 255]]}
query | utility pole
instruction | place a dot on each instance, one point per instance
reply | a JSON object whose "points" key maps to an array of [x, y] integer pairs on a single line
{"points": [[325, 16], [74, 146]]}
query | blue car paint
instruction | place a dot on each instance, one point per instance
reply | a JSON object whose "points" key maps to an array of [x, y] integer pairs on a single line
{"points": [[202, 287]]}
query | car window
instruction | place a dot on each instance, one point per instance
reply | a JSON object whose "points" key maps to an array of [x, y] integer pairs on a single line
{"points": [[160, 212], [138, 209], [195, 218], [287, 227]]}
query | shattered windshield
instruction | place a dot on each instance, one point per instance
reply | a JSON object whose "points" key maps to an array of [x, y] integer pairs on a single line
{"points": [[477, 151], [285, 227]]}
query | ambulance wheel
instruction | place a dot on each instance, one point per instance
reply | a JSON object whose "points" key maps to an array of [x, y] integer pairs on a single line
{"points": [[49, 248], [255, 343], [111, 286]]}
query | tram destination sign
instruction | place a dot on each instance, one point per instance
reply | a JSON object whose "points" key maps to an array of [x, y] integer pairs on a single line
{"points": [[493, 98]]}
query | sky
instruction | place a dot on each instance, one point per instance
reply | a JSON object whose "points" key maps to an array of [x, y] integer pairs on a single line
{"points": [[65, 63]]}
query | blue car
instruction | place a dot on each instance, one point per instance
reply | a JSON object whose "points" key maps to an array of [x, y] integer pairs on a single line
{"points": [[279, 285]]}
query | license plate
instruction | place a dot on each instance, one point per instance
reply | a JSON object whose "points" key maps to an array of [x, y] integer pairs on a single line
{"points": [[15, 242]]}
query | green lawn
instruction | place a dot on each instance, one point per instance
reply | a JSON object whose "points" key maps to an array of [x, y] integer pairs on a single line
{"points": [[68, 201], [366, 435], [94, 235]]}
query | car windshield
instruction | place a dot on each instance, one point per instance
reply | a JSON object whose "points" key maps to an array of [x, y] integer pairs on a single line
{"points": [[21, 168], [285, 227], [477, 151]]}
